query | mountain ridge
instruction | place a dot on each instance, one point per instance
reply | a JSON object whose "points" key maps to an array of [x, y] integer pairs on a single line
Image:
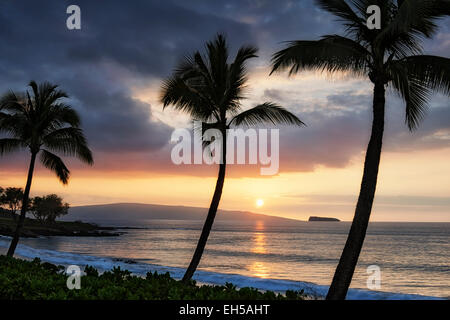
{"points": [[125, 211]]}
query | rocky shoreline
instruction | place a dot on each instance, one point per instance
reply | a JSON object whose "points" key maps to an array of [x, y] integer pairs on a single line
{"points": [[33, 228]]}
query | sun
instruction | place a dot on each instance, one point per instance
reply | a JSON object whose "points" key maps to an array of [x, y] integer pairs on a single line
{"points": [[259, 203]]}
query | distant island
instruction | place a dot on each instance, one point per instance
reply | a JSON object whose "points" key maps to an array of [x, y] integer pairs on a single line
{"points": [[106, 219], [138, 214], [313, 218]]}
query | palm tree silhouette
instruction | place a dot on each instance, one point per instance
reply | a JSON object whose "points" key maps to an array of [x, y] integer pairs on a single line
{"points": [[391, 56], [43, 124], [210, 90]]}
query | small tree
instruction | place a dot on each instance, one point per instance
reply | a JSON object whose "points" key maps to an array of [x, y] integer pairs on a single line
{"points": [[48, 208], [12, 199]]}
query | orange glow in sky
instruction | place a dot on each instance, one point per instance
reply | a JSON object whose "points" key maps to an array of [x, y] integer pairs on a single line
{"points": [[324, 191]]}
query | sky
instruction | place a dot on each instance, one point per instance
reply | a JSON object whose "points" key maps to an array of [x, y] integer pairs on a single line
{"points": [[113, 68]]}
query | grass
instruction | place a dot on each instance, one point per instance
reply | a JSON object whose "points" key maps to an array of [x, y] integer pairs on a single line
{"points": [[34, 280]]}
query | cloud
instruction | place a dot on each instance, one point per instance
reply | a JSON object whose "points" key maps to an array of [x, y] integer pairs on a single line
{"points": [[123, 44], [387, 200], [94, 65]]}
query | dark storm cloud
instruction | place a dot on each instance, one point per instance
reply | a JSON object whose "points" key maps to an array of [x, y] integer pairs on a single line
{"points": [[122, 43], [143, 37], [272, 22], [339, 129], [147, 36], [331, 138], [115, 121]]}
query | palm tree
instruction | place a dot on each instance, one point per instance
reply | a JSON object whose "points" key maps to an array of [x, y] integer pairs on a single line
{"points": [[43, 124], [210, 89], [391, 56]]}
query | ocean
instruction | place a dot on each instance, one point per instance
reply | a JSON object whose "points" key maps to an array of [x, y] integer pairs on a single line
{"points": [[414, 258]]}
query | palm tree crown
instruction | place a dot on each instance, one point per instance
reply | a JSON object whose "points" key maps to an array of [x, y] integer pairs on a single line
{"points": [[42, 123], [210, 89], [390, 55]]}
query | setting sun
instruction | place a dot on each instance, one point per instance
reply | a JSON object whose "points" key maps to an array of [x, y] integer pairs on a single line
{"points": [[259, 202]]}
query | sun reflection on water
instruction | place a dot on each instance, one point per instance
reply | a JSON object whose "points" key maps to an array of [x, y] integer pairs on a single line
{"points": [[259, 243], [259, 268]]}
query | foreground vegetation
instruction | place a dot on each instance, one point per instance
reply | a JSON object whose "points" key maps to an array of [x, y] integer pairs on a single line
{"points": [[34, 280]]}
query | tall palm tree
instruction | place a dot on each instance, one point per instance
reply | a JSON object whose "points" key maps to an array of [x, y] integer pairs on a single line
{"points": [[43, 124], [391, 56], [210, 89]]}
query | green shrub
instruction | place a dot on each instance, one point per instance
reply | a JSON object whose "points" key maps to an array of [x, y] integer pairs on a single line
{"points": [[20, 279]]}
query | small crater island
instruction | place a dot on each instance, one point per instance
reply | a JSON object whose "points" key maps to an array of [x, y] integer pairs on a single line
{"points": [[314, 218]]}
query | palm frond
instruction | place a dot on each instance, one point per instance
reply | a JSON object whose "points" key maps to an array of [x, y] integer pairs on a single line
{"points": [[412, 21], [412, 90], [267, 112], [15, 125], [70, 142], [418, 16], [8, 145], [187, 98], [432, 71], [55, 164], [208, 87], [46, 94], [341, 9], [236, 79], [217, 51], [332, 53], [415, 78], [12, 102], [62, 113]]}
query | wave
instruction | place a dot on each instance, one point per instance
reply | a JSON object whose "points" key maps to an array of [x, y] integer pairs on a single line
{"points": [[205, 277]]}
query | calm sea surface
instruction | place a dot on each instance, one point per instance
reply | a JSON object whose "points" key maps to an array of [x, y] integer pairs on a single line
{"points": [[414, 258]]}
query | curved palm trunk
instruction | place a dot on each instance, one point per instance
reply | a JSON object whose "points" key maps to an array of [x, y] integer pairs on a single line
{"points": [[210, 217], [23, 211], [349, 258]]}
